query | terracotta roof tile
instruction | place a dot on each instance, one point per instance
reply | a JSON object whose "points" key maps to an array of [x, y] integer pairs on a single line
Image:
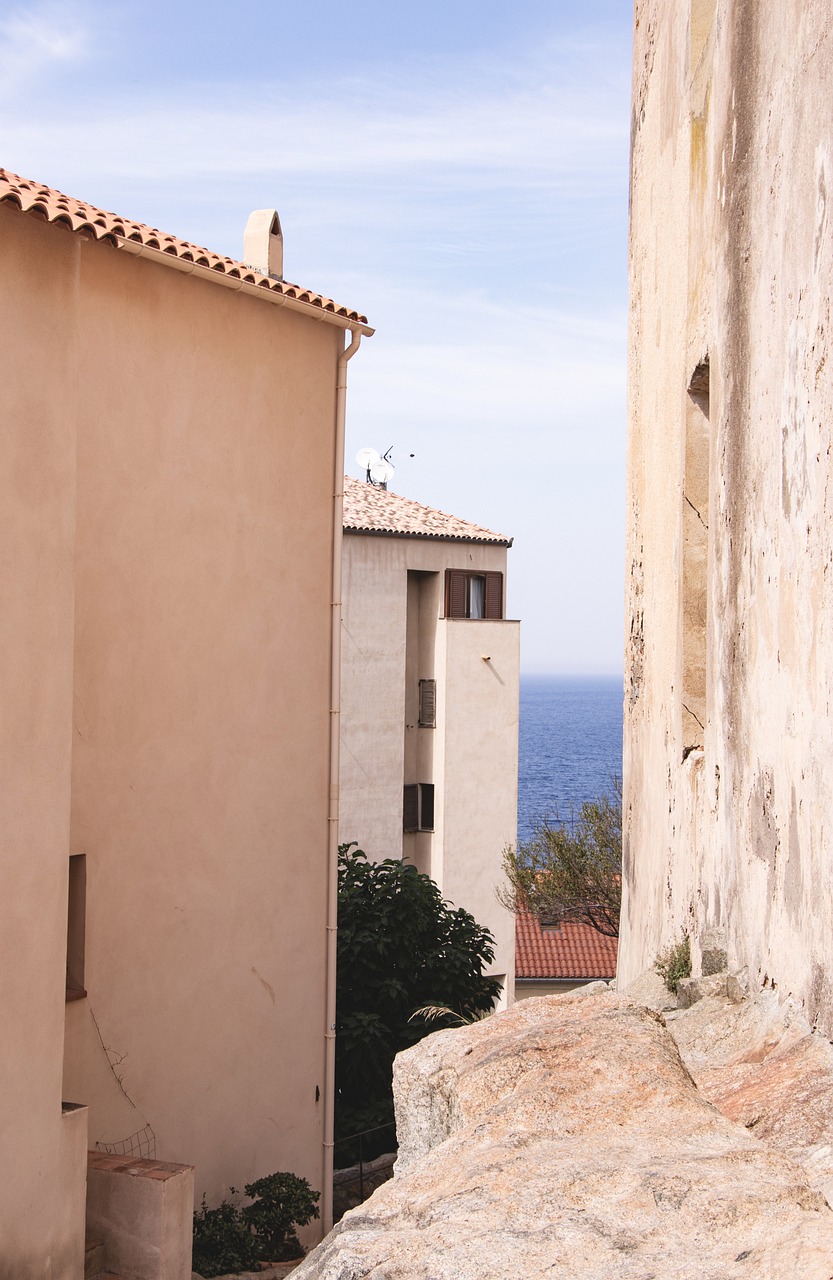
{"points": [[49, 205], [571, 951], [368, 509]]}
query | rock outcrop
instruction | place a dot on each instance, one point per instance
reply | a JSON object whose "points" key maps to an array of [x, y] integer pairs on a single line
{"points": [[760, 1063], [566, 1137]]}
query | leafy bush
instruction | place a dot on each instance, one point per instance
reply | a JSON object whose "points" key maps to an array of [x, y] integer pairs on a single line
{"points": [[222, 1241], [674, 964], [571, 870], [401, 948], [228, 1238], [282, 1202]]}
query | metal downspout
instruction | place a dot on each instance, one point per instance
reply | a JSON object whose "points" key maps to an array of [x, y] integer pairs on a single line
{"points": [[335, 721]]}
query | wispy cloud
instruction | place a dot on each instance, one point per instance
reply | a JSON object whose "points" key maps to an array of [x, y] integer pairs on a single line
{"points": [[486, 135], [474, 209], [33, 41]]}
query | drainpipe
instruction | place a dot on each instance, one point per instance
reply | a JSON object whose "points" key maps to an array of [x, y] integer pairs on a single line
{"points": [[335, 721]]}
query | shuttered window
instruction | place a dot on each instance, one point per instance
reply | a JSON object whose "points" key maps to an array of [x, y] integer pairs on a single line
{"points": [[418, 806], [494, 595], [473, 595], [428, 704], [410, 807]]}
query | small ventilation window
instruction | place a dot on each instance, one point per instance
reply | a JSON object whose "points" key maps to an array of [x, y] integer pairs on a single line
{"points": [[76, 926], [428, 704], [418, 806]]}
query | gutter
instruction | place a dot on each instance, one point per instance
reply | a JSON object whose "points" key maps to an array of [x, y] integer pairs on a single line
{"points": [[335, 734], [365, 532]]}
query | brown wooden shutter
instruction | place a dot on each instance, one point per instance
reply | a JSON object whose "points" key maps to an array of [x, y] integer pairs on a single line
{"points": [[455, 593], [494, 596], [410, 807], [428, 704]]}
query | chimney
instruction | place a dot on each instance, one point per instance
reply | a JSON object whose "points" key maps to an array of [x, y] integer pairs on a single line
{"points": [[263, 243]]}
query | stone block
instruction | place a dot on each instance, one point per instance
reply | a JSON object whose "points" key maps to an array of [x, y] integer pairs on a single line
{"points": [[690, 990], [713, 953], [737, 986], [143, 1212], [650, 989]]}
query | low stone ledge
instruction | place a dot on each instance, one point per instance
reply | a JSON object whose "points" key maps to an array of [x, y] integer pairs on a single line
{"points": [[143, 1212]]}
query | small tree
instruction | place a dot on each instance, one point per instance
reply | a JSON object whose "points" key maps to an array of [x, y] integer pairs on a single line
{"points": [[571, 871], [401, 948]]}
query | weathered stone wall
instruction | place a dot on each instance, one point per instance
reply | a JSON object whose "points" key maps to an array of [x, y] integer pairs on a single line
{"points": [[729, 647]]}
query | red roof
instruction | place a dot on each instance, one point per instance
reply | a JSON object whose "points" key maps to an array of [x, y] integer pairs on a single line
{"points": [[368, 509], [571, 951], [50, 205]]}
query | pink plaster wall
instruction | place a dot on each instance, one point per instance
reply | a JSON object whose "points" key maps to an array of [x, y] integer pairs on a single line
{"points": [[39, 1231], [167, 487]]}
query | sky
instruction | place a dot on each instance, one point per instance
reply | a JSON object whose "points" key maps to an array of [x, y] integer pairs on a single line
{"points": [[455, 170]]}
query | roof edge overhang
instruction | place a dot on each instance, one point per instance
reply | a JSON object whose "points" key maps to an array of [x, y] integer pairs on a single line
{"points": [[567, 977], [265, 294], [427, 537], [89, 231]]}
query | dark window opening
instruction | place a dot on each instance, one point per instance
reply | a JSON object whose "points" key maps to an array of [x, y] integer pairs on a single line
{"points": [[418, 806], [76, 926]]}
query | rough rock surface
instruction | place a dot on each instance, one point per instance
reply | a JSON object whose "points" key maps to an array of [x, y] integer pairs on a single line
{"points": [[650, 989], [691, 990], [566, 1138], [761, 1065]]}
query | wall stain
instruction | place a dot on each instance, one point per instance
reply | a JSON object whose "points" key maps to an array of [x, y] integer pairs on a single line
{"points": [[266, 986]]}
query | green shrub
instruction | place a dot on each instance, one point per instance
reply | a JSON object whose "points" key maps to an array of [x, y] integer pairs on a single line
{"points": [[674, 964], [401, 948], [229, 1238], [222, 1241], [281, 1201]]}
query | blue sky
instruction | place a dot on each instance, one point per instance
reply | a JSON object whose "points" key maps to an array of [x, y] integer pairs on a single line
{"points": [[457, 171]]}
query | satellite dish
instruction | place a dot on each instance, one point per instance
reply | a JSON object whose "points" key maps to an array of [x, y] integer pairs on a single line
{"points": [[381, 471], [367, 457]]}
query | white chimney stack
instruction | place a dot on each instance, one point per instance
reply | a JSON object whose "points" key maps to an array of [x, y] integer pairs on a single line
{"points": [[263, 243]]}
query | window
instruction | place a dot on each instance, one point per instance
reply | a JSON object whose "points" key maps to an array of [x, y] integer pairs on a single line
{"points": [[473, 595], [76, 926], [418, 806], [427, 704]]}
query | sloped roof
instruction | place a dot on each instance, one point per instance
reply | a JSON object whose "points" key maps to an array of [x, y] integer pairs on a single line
{"points": [[49, 205], [368, 509], [572, 951]]}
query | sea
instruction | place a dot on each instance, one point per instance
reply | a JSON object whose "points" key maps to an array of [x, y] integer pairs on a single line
{"points": [[570, 744]]}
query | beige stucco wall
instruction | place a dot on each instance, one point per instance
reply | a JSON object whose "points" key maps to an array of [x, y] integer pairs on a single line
{"points": [[731, 259], [472, 754], [168, 624], [39, 1225]]}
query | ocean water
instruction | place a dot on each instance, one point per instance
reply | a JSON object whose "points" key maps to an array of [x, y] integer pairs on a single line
{"points": [[570, 744]]}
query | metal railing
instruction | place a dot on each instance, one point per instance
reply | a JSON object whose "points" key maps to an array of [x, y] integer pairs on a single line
{"points": [[359, 1137]]}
